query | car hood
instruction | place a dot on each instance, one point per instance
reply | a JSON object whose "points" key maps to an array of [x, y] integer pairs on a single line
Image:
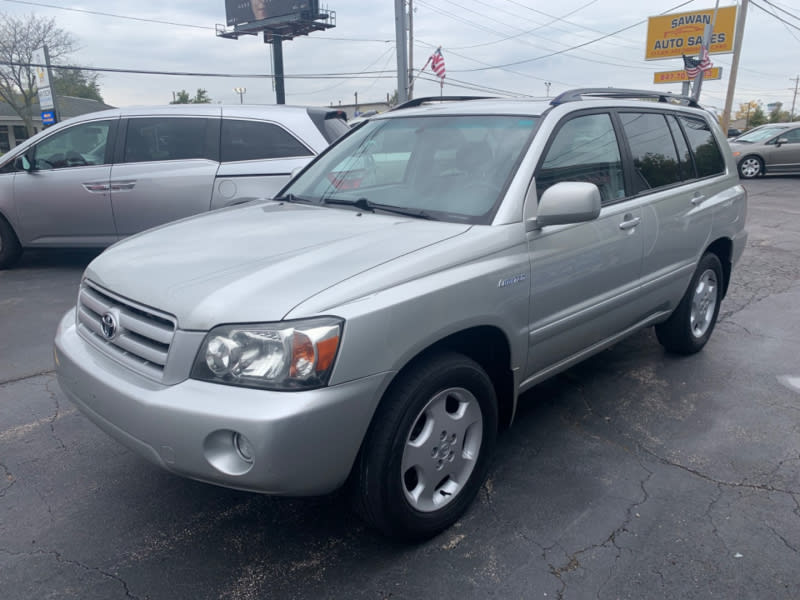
{"points": [[255, 263]]}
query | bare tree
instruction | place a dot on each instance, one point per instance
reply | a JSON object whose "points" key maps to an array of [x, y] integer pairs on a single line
{"points": [[19, 38]]}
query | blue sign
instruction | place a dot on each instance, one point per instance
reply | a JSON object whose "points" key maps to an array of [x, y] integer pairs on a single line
{"points": [[48, 117]]}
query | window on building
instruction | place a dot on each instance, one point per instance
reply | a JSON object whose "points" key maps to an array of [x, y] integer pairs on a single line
{"points": [[5, 143]]}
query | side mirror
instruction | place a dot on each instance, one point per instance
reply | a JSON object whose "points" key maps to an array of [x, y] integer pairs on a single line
{"points": [[781, 141], [23, 163], [566, 202]]}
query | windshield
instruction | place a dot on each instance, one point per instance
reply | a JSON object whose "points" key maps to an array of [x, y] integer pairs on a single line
{"points": [[450, 168], [760, 134]]}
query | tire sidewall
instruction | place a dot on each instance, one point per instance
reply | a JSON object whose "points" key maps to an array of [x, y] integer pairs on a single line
{"points": [[708, 262], [10, 248], [760, 166], [447, 371]]}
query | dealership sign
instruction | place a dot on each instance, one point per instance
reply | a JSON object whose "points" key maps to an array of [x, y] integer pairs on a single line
{"points": [[672, 35], [42, 80], [681, 76]]}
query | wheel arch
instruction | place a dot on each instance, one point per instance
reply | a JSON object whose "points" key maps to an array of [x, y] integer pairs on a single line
{"points": [[723, 248]]}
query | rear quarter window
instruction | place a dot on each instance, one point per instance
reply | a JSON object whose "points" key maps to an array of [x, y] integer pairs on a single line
{"points": [[258, 140], [707, 156]]}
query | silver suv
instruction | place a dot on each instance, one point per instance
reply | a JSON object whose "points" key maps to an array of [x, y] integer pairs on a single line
{"points": [[94, 179], [376, 323]]}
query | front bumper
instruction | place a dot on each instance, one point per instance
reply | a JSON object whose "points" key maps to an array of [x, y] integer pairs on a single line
{"points": [[302, 443]]}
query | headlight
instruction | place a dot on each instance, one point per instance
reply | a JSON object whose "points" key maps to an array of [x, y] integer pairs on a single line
{"points": [[294, 355]]}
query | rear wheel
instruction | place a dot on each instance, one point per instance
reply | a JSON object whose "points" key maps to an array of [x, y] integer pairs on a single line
{"points": [[10, 248], [751, 166], [690, 326], [428, 449]]}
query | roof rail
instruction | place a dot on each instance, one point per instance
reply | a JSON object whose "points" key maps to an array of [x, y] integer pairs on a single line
{"points": [[419, 101], [578, 94]]}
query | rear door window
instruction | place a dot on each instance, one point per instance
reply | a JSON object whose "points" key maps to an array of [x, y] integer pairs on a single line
{"points": [[258, 140], [655, 158], [585, 148], [707, 155], [167, 138]]}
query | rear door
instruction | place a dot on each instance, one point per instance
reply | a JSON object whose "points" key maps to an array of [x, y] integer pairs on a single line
{"points": [[257, 159], [677, 169], [786, 156], [64, 200], [165, 170]]}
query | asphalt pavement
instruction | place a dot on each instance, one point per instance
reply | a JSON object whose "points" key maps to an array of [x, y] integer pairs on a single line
{"points": [[634, 475]]}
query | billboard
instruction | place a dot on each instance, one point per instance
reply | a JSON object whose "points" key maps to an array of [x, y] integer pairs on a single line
{"points": [[671, 35], [248, 11], [680, 76]]}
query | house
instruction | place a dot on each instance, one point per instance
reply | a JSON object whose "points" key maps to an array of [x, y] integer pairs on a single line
{"points": [[12, 129]]}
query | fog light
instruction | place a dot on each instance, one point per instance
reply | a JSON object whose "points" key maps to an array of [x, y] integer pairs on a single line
{"points": [[243, 447]]}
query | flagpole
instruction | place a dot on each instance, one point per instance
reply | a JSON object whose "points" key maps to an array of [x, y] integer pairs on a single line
{"points": [[709, 31]]}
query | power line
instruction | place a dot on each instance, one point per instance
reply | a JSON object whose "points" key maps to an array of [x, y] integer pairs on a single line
{"points": [[781, 19], [782, 10], [353, 75], [173, 23], [527, 60]]}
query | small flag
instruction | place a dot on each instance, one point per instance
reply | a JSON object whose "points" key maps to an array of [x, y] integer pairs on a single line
{"points": [[693, 66], [437, 63]]}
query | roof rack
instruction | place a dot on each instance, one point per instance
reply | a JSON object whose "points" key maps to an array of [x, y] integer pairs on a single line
{"points": [[580, 93], [420, 101]]}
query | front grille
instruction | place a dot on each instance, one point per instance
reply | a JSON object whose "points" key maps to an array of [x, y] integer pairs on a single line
{"points": [[141, 336]]}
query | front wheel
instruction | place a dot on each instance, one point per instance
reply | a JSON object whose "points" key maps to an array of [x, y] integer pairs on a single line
{"points": [[10, 248], [690, 326], [428, 449], [751, 166]]}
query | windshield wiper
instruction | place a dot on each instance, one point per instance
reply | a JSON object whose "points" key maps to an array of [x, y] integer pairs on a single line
{"points": [[365, 204], [290, 198]]}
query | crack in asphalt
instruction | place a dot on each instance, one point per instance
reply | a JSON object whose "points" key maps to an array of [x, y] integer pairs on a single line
{"points": [[59, 558], [762, 487], [29, 376], [8, 480], [572, 559], [56, 414]]}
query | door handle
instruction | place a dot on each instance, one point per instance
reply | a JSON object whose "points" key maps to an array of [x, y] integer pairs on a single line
{"points": [[121, 186], [698, 199], [630, 223]]}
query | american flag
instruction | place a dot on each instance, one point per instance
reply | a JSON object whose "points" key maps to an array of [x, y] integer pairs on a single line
{"points": [[437, 63], [693, 66]]}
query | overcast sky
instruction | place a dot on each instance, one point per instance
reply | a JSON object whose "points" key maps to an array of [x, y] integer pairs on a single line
{"points": [[474, 35]]}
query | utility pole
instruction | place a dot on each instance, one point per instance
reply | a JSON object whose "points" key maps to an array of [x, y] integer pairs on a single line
{"points": [[410, 49], [402, 50], [794, 98], [737, 50]]}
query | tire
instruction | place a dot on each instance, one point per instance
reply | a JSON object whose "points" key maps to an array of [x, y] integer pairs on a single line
{"points": [[10, 248], [690, 326], [751, 166], [429, 448]]}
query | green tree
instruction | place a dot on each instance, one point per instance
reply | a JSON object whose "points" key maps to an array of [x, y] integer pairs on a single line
{"points": [[777, 115], [758, 117], [20, 37], [76, 83], [182, 97]]}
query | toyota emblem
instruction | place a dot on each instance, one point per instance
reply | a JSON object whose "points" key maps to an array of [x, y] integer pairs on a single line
{"points": [[110, 326]]}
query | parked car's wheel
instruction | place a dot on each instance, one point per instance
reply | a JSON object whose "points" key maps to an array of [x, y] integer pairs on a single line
{"points": [[10, 248], [690, 326], [751, 166], [428, 449]]}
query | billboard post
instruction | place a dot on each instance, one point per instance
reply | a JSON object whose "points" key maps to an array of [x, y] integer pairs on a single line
{"points": [[279, 20]]}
